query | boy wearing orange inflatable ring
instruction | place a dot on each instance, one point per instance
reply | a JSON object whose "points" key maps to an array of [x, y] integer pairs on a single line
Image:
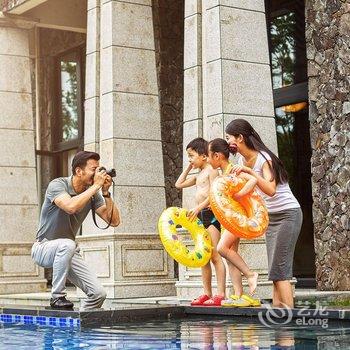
{"points": [[197, 151], [219, 152]]}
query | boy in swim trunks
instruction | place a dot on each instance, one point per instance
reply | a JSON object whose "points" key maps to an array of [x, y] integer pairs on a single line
{"points": [[197, 151]]}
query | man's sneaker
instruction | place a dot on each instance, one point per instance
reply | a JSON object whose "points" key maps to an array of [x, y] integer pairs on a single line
{"points": [[61, 303]]}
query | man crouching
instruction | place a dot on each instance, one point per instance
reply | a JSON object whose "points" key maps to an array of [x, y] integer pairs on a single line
{"points": [[66, 205]]}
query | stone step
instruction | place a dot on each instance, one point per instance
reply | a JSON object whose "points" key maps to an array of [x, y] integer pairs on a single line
{"points": [[43, 299]]}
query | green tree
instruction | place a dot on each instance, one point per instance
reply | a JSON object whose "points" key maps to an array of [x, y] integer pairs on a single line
{"points": [[69, 86], [285, 140], [283, 49]]}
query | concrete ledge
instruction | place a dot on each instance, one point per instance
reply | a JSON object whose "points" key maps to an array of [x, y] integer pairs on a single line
{"points": [[110, 317], [324, 313], [131, 313], [93, 318]]}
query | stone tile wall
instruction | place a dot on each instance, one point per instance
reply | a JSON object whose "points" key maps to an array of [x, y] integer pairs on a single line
{"points": [[328, 53]]}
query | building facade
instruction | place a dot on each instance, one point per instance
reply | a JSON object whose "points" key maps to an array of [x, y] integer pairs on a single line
{"points": [[136, 80]]}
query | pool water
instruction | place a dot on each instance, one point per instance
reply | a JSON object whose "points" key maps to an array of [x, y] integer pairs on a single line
{"points": [[189, 333]]}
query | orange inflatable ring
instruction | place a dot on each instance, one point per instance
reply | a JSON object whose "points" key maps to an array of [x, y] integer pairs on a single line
{"points": [[247, 218]]}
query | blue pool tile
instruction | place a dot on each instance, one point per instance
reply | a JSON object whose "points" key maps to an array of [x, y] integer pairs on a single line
{"points": [[28, 319], [52, 320], [40, 320]]}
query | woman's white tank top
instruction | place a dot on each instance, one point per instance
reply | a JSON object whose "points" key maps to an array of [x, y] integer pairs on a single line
{"points": [[283, 198]]}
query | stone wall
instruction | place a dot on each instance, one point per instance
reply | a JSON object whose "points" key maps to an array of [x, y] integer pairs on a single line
{"points": [[169, 36], [18, 187], [328, 52]]}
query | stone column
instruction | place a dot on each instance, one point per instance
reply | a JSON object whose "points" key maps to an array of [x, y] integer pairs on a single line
{"points": [[129, 259], [189, 283], [92, 79], [236, 83], [193, 101], [18, 187], [328, 53]]}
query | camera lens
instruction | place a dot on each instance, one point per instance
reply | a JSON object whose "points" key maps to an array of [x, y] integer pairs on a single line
{"points": [[112, 173]]}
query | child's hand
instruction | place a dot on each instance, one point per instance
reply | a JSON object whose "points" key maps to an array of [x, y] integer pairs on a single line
{"points": [[189, 167], [237, 196], [240, 168], [193, 213]]}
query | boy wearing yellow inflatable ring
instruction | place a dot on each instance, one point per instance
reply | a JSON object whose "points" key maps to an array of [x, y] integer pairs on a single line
{"points": [[219, 152], [197, 151]]}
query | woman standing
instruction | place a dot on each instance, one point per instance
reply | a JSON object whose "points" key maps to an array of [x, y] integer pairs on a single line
{"points": [[284, 210]]}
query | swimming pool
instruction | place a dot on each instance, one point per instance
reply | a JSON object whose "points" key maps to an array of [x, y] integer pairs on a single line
{"points": [[188, 333]]}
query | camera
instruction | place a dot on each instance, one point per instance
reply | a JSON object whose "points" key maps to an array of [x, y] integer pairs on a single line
{"points": [[111, 172]]}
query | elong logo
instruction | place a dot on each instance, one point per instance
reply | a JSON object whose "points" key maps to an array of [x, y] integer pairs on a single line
{"points": [[276, 317]]}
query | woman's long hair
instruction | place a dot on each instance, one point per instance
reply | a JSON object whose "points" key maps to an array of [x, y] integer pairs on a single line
{"points": [[221, 146], [253, 141]]}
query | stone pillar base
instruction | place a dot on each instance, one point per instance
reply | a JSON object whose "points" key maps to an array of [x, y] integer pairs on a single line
{"points": [[140, 289], [192, 289], [129, 265], [18, 272], [23, 286], [188, 290]]}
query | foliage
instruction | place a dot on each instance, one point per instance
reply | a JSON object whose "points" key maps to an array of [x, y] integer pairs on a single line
{"points": [[69, 86], [283, 49]]}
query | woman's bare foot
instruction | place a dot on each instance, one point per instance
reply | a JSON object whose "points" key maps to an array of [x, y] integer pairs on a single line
{"points": [[253, 282]]}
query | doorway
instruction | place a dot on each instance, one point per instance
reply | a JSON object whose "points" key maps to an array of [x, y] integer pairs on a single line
{"points": [[286, 32]]}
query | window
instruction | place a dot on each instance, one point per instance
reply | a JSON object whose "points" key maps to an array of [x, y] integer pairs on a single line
{"points": [[69, 100], [286, 25], [289, 151], [68, 124], [282, 28]]}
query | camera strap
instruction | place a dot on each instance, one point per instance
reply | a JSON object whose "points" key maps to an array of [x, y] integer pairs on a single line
{"points": [[94, 214]]}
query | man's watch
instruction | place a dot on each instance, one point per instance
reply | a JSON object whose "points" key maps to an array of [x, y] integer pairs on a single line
{"points": [[108, 195]]}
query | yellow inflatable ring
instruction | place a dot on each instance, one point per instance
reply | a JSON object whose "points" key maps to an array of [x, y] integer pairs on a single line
{"points": [[168, 221], [247, 218]]}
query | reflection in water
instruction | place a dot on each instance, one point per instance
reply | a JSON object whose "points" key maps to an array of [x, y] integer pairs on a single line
{"points": [[232, 335], [191, 333]]}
